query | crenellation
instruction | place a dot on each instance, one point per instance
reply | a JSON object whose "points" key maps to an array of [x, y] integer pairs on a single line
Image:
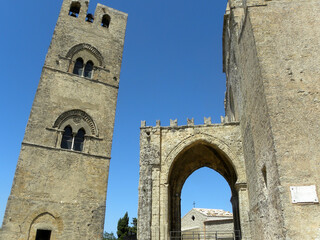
{"points": [[207, 121], [174, 123], [190, 122], [143, 124]]}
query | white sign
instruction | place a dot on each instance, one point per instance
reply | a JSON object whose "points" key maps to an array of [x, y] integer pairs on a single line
{"points": [[304, 194]]}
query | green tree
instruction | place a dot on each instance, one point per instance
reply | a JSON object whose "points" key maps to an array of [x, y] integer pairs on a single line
{"points": [[134, 224], [123, 227], [126, 232], [109, 236]]}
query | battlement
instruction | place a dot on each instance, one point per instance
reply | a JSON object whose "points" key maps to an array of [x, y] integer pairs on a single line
{"points": [[103, 15], [190, 123]]}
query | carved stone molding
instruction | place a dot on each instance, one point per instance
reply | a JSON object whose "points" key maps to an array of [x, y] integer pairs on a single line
{"points": [[88, 47], [76, 116]]}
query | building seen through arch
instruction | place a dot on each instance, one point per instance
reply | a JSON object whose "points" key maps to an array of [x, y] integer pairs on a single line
{"points": [[203, 223], [206, 210]]}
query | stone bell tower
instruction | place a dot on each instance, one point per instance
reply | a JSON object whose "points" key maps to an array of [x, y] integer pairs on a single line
{"points": [[60, 184]]}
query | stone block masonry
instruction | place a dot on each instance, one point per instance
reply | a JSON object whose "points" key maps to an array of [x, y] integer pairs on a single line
{"points": [[60, 184]]}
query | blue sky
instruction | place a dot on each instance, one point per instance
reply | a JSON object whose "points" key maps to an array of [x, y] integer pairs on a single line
{"points": [[172, 68]]}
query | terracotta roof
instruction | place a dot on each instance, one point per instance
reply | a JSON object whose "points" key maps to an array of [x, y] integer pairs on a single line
{"points": [[214, 212]]}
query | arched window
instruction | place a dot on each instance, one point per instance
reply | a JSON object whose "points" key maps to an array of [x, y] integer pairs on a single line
{"points": [[88, 69], [78, 140], [105, 21], [67, 138], [89, 18], [74, 127], [71, 141], [74, 9], [78, 67]]}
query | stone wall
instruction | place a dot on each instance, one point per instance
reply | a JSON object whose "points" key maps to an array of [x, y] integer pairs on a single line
{"points": [[168, 155], [271, 50], [270, 55]]}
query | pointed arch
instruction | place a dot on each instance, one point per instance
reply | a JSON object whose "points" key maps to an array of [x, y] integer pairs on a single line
{"points": [[190, 155], [169, 155], [235, 161], [42, 218]]}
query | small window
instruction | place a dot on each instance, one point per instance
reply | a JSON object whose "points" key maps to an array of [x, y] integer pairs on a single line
{"points": [[105, 21], [264, 174], [74, 9], [67, 138], [90, 18], [83, 70], [43, 234], [78, 140], [69, 141], [78, 67], [88, 69]]}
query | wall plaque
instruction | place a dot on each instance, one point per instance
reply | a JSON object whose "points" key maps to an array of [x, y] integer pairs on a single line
{"points": [[304, 194]]}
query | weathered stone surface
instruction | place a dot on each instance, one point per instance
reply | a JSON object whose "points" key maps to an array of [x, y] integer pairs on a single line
{"points": [[270, 56], [267, 142], [57, 189], [168, 156]]}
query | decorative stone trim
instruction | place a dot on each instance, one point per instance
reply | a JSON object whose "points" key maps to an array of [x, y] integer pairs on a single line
{"points": [[62, 149], [88, 79], [88, 47], [76, 115]]}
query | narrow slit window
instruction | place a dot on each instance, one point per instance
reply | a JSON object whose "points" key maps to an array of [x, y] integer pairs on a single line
{"points": [[74, 9], [78, 140], [78, 67], [88, 69], [105, 21], [43, 234], [67, 138], [264, 174]]}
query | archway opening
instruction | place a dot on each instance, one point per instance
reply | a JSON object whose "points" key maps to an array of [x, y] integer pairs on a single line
{"points": [[206, 210], [198, 155]]}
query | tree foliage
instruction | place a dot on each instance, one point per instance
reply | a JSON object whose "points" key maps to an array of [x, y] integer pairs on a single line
{"points": [[126, 232], [123, 227], [109, 236], [134, 224]]}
